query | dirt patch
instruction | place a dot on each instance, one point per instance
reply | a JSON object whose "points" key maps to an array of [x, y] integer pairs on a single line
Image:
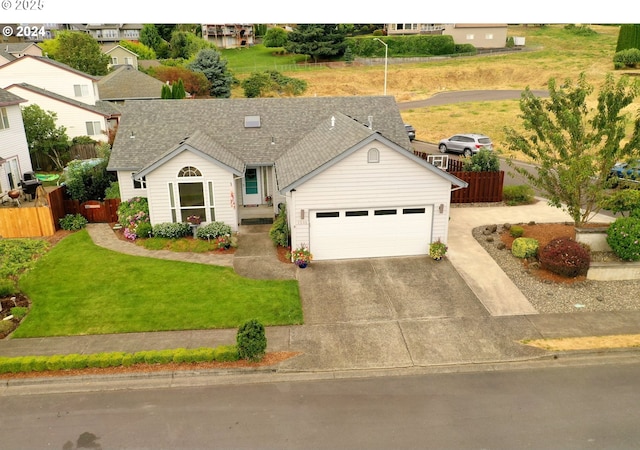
{"points": [[283, 254], [270, 359], [8, 325]]}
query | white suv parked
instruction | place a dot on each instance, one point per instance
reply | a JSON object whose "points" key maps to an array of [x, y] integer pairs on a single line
{"points": [[467, 144]]}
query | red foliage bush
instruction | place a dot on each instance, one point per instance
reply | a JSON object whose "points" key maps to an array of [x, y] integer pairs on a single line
{"points": [[565, 257]]}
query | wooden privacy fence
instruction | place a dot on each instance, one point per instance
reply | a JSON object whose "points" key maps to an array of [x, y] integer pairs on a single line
{"points": [[483, 186], [30, 221]]}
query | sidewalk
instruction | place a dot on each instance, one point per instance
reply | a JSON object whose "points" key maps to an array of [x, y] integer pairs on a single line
{"points": [[389, 345]]}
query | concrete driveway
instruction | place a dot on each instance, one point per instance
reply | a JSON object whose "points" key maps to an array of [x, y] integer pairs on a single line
{"points": [[380, 289]]}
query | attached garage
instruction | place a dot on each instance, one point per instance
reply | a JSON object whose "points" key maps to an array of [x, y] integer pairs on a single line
{"points": [[370, 232]]}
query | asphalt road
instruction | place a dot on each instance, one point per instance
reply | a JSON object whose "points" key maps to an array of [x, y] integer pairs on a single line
{"points": [[586, 407], [445, 98]]}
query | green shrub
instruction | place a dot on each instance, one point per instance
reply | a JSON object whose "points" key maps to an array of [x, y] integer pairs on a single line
{"points": [[73, 222], [75, 361], [18, 255], [18, 312], [565, 257], [626, 58], [521, 194], [516, 231], [113, 191], [621, 201], [213, 230], [226, 353], [182, 355], [623, 236], [523, 247], [279, 231], [7, 288], [55, 362], [11, 365], [129, 210], [251, 340], [171, 230], [144, 230], [481, 161], [158, 356], [202, 354]]}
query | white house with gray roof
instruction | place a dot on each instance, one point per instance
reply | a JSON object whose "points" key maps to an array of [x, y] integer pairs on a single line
{"points": [[342, 167], [14, 150]]}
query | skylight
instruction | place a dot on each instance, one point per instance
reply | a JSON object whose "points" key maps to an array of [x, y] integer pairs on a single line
{"points": [[252, 121]]}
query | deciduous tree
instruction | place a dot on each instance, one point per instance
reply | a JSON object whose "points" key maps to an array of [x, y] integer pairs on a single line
{"points": [[80, 51], [275, 37], [195, 83], [45, 139], [575, 146]]}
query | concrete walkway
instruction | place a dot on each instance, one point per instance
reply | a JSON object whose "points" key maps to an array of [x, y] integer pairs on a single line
{"points": [[379, 324]]}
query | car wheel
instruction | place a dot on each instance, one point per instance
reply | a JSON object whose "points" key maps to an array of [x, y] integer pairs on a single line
{"points": [[442, 148], [467, 152]]}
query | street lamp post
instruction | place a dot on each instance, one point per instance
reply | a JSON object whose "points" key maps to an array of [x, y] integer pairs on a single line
{"points": [[386, 54]]}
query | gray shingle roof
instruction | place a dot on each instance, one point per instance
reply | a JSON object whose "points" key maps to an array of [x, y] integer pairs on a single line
{"points": [[160, 125], [9, 98], [127, 83]]}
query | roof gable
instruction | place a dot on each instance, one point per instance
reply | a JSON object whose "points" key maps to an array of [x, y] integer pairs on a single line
{"points": [[9, 98], [49, 62], [126, 82]]}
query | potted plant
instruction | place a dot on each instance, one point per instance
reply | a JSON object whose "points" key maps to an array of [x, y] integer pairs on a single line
{"points": [[301, 256], [194, 220], [437, 250]]}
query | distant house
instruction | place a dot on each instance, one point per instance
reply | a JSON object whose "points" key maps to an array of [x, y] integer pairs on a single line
{"points": [[80, 119], [234, 35], [397, 29], [342, 167], [126, 83], [114, 32], [15, 50], [120, 56], [14, 150], [486, 35]]}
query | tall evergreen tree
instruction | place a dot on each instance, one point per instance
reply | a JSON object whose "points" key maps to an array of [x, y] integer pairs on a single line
{"points": [[317, 40], [209, 62]]}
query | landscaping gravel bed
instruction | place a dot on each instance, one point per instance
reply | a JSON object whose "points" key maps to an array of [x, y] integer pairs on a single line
{"points": [[570, 296]]}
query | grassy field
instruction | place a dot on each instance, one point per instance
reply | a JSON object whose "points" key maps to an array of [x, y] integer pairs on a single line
{"points": [[550, 52], [80, 288]]}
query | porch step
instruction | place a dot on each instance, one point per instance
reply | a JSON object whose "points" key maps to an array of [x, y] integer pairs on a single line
{"points": [[257, 221]]}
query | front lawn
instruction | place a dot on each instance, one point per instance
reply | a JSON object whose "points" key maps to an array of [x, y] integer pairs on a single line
{"points": [[79, 288]]}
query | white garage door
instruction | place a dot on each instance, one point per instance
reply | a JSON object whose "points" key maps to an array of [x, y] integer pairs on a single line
{"points": [[368, 233]]}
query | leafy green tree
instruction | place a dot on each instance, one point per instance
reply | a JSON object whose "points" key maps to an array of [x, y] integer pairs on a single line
{"points": [[317, 40], [80, 51], [45, 139], [185, 44], [150, 36], [275, 37], [144, 52], [574, 146], [628, 37], [209, 62], [482, 161]]}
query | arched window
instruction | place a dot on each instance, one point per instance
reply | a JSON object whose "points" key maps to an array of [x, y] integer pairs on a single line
{"points": [[373, 156], [189, 171]]}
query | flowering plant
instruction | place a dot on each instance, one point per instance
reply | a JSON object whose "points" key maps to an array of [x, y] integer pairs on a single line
{"points": [[437, 249], [194, 220], [301, 256], [269, 200], [223, 242]]}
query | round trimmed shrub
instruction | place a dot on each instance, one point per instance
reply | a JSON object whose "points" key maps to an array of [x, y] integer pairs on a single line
{"points": [[565, 257], [516, 231], [171, 230], [213, 230], [623, 236], [523, 247], [251, 341]]}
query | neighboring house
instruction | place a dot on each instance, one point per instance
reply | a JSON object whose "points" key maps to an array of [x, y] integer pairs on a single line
{"points": [[126, 83], [14, 150], [395, 29], [15, 50], [231, 35], [51, 75], [485, 35], [342, 166], [120, 56], [114, 32], [80, 119]]}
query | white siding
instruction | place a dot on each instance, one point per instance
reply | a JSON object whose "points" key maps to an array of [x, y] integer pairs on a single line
{"points": [[158, 188], [13, 143], [353, 182], [72, 117], [125, 182], [47, 76]]}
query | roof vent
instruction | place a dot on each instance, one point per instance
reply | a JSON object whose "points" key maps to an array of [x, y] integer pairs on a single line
{"points": [[252, 121]]}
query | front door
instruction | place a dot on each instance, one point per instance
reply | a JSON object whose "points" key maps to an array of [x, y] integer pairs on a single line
{"points": [[251, 191]]}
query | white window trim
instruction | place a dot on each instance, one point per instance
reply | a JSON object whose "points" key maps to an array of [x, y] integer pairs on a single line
{"points": [[93, 124]]}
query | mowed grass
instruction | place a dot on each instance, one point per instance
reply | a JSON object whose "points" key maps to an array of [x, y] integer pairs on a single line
{"points": [[79, 288]]}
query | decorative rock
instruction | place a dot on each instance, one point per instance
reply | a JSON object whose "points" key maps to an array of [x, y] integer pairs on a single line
{"points": [[489, 238], [492, 228], [501, 246]]}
